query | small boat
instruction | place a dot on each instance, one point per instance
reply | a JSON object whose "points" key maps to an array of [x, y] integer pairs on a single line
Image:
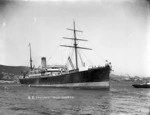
{"points": [[142, 85]]}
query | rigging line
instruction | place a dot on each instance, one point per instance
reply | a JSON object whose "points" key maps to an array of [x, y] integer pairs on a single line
{"points": [[90, 62], [69, 62], [102, 59], [70, 25], [81, 58], [28, 63], [70, 52], [77, 27], [70, 56], [54, 52]]}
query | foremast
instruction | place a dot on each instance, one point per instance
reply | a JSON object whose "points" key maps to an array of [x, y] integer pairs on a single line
{"points": [[75, 45], [30, 57]]}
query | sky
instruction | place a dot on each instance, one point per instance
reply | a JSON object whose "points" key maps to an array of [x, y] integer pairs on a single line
{"points": [[116, 30]]}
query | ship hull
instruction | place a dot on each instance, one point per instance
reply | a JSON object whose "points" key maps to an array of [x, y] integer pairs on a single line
{"points": [[93, 78]]}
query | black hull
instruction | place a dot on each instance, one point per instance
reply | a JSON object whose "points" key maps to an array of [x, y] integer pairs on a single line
{"points": [[141, 85], [92, 78]]}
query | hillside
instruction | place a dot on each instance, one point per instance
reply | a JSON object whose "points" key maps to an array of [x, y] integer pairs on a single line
{"points": [[14, 72], [10, 72], [114, 77]]}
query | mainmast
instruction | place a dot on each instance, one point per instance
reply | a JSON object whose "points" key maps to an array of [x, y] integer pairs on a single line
{"points": [[30, 57], [75, 45]]}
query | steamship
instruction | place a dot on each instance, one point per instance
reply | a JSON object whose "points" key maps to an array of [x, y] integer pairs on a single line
{"points": [[60, 76]]}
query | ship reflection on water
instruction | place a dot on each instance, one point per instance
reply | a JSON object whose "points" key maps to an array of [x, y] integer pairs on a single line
{"points": [[122, 99]]}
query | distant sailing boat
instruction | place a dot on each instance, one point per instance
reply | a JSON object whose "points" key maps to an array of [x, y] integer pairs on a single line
{"points": [[60, 76]]}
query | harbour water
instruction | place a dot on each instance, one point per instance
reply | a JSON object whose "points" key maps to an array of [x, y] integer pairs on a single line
{"points": [[122, 99]]}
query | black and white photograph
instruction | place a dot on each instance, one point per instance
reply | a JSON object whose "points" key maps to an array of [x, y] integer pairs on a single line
{"points": [[74, 57]]}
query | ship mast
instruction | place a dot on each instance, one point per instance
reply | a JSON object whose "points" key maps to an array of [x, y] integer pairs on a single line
{"points": [[75, 45], [30, 57]]}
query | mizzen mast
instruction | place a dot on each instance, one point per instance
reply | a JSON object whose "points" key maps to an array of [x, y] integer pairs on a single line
{"points": [[75, 45]]}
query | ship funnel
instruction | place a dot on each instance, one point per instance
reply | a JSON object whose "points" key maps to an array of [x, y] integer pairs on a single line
{"points": [[43, 62]]}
